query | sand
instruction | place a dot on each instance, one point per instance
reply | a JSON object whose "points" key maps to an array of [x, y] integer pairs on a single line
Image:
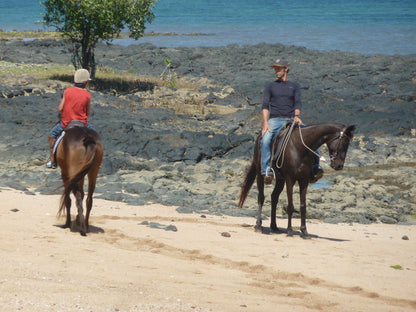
{"points": [[152, 258]]}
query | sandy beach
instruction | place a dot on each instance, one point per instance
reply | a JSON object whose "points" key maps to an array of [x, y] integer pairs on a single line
{"points": [[165, 231], [152, 258]]}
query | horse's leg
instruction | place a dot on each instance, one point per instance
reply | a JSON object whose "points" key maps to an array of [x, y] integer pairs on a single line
{"points": [[260, 199], [289, 190], [68, 213], [67, 201], [303, 187], [79, 195], [92, 178], [278, 188]]}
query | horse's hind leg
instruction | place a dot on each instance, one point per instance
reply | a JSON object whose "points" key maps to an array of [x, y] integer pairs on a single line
{"points": [[92, 178], [68, 213], [260, 200], [275, 199], [79, 195]]}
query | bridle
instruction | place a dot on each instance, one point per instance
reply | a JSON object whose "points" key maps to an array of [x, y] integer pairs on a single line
{"points": [[342, 134], [333, 156]]}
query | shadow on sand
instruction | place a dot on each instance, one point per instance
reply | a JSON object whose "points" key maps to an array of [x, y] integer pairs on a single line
{"points": [[269, 231]]}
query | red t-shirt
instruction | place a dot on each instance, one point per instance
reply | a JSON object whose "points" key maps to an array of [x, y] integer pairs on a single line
{"points": [[75, 105]]}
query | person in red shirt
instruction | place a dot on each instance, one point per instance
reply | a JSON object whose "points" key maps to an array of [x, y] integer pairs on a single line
{"points": [[75, 105]]}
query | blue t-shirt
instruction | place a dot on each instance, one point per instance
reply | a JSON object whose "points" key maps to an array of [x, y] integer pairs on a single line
{"points": [[281, 98]]}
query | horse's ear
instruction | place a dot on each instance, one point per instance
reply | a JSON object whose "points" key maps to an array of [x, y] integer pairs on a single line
{"points": [[349, 131]]}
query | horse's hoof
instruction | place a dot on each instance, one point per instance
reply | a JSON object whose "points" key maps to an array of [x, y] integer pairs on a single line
{"points": [[258, 228], [290, 232], [305, 234], [83, 234], [274, 229]]}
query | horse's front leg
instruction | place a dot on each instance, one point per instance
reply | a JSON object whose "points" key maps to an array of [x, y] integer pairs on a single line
{"points": [[278, 188], [79, 195], [303, 187], [260, 201], [290, 208]]}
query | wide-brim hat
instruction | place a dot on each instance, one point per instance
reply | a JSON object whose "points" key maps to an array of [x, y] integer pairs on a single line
{"points": [[81, 75], [280, 63]]}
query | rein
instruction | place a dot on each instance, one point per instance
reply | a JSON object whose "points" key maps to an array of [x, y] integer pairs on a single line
{"points": [[308, 148], [281, 157], [331, 157]]}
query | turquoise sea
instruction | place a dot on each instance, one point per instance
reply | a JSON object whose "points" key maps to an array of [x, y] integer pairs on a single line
{"points": [[363, 26]]}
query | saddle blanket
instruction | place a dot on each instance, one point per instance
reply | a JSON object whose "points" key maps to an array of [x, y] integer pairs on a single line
{"points": [[58, 140]]}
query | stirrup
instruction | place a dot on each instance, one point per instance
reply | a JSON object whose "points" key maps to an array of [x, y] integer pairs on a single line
{"points": [[272, 170], [51, 165]]}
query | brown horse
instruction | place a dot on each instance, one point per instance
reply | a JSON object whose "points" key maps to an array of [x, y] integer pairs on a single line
{"points": [[79, 153], [297, 166]]}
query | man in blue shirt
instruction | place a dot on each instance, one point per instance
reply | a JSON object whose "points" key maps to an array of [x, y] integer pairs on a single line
{"points": [[281, 103]]}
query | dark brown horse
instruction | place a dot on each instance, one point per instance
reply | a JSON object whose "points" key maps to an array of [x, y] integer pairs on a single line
{"points": [[79, 153], [297, 166]]}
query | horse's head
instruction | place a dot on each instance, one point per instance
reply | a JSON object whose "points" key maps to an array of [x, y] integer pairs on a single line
{"points": [[338, 146]]}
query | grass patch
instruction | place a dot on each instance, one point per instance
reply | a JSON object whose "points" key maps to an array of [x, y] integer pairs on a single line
{"points": [[6, 35], [185, 98], [40, 71], [20, 35], [106, 79]]}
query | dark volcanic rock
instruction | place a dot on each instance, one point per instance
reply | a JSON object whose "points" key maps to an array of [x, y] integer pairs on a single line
{"points": [[198, 163]]}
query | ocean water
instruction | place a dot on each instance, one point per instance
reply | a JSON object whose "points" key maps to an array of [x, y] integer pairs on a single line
{"points": [[362, 26]]}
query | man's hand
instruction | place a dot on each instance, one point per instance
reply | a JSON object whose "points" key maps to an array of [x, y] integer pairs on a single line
{"points": [[266, 128], [297, 120]]}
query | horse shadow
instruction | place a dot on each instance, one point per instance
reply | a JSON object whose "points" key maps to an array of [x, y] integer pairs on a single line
{"points": [[269, 231], [76, 228]]}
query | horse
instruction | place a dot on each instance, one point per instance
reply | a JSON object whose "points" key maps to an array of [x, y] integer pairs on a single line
{"points": [[298, 160], [80, 153]]}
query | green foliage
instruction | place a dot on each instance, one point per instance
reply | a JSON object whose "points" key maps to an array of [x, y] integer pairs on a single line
{"points": [[397, 267], [86, 22], [168, 75]]}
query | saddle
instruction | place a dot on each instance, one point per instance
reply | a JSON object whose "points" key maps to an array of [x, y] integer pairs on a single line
{"points": [[278, 141], [72, 124], [75, 123]]}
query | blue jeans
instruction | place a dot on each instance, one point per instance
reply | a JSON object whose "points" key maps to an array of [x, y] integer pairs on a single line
{"points": [[57, 130], [276, 125]]}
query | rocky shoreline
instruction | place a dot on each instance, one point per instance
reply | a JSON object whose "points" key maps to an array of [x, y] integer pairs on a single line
{"points": [[196, 162]]}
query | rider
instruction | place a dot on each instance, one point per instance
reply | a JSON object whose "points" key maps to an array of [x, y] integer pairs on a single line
{"points": [[281, 103], [75, 105]]}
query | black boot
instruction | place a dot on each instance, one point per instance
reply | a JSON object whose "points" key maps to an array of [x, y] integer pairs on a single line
{"points": [[317, 171]]}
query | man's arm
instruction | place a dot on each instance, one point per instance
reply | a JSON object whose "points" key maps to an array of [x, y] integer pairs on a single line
{"points": [[266, 127], [87, 108], [298, 105], [265, 109], [61, 105]]}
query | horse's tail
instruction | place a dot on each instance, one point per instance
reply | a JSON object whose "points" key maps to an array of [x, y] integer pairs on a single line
{"points": [[90, 145], [251, 173]]}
